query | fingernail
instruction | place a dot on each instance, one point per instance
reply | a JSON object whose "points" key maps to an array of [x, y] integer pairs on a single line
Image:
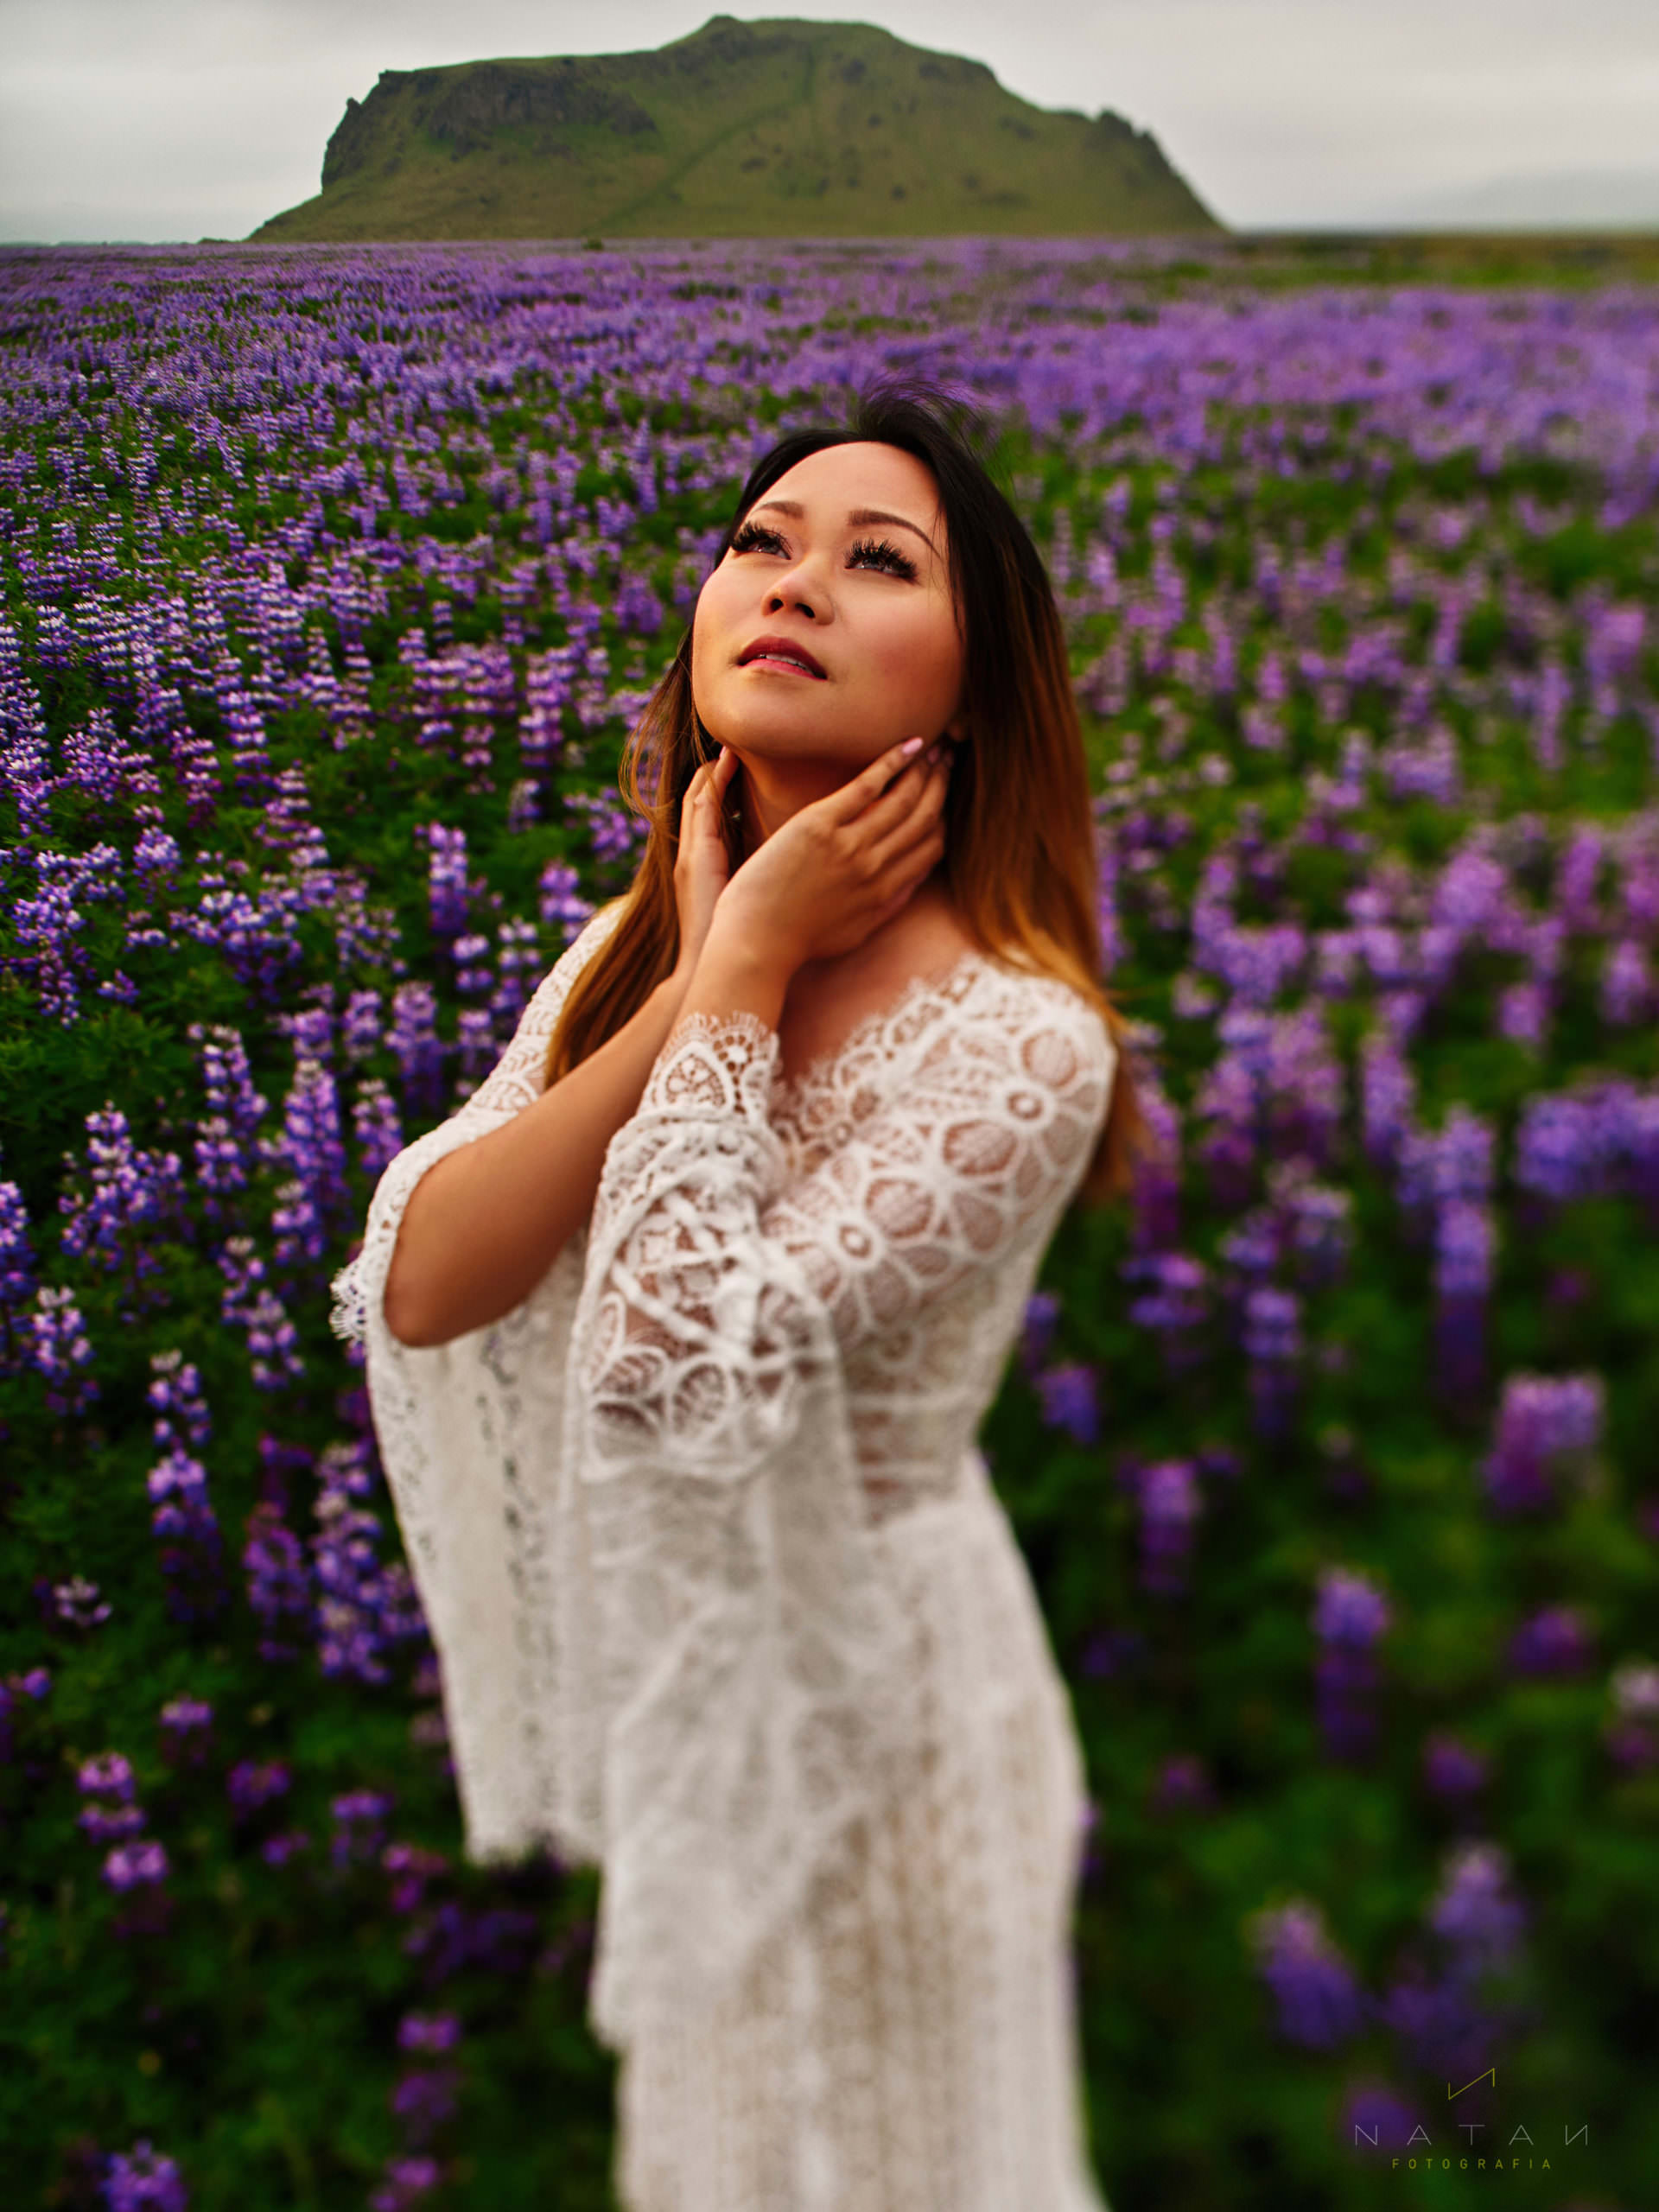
{"points": [[933, 754]]}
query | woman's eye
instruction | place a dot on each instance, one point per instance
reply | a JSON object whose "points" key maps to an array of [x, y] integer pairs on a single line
{"points": [[752, 538], [883, 554]]}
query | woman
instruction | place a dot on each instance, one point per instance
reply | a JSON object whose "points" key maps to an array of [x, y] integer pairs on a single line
{"points": [[679, 1333]]}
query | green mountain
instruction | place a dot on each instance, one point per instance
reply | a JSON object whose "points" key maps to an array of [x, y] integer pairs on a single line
{"points": [[771, 130]]}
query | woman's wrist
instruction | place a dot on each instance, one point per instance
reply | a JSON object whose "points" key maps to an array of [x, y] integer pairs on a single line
{"points": [[732, 972]]}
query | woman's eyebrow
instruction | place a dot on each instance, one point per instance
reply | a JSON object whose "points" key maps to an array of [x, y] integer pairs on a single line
{"points": [[858, 518]]}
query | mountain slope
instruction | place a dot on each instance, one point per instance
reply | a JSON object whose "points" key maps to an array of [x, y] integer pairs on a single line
{"points": [[772, 128]]}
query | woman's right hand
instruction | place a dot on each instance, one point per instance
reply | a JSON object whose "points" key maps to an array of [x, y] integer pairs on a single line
{"points": [[701, 867]]}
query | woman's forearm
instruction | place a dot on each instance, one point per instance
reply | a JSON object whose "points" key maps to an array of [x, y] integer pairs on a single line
{"points": [[485, 1222]]}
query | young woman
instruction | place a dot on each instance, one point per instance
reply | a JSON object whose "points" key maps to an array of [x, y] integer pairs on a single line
{"points": [[678, 1335]]}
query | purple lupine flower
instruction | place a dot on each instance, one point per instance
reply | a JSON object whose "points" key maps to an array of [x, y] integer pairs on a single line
{"points": [[560, 904], [377, 1127], [1042, 1316], [477, 1048], [1318, 2000], [474, 973], [110, 1776], [311, 1146], [360, 1028], [1387, 1097], [517, 960], [406, 2180], [414, 1043], [60, 1347], [250, 1785], [17, 1280], [249, 1303], [423, 2099], [429, 2032], [1375, 2118], [1476, 1913], [135, 1197], [112, 1814], [413, 1868], [142, 2180], [447, 874], [134, 1864], [360, 1818], [1466, 1241], [77, 1602], [182, 1413], [192, 1555], [1171, 1502], [1555, 1641], [1176, 1308], [1350, 1616], [363, 1606], [1068, 1399], [277, 1850], [278, 1581], [186, 1725], [1544, 1422], [1451, 1768], [1272, 1344], [1626, 984]]}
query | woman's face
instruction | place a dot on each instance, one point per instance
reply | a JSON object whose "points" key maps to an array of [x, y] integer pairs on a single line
{"points": [[844, 559]]}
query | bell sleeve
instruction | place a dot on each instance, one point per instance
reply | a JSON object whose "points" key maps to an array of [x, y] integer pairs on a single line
{"points": [[467, 1433], [752, 1667]]}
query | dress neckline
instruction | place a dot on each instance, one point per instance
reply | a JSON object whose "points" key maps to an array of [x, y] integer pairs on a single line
{"points": [[874, 1024]]}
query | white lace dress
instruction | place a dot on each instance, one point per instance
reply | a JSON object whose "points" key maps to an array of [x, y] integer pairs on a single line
{"points": [[726, 1606]]}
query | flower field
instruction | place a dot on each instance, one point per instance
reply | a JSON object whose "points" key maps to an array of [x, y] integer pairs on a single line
{"points": [[330, 583]]}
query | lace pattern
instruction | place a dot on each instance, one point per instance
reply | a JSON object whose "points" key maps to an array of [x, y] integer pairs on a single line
{"points": [[650, 1512], [459, 1427], [767, 1703]]}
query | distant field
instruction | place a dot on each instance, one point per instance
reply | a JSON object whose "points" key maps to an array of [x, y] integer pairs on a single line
{"points": [[332, 580]]}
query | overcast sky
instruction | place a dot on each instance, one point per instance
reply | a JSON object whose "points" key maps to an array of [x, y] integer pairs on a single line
{"points": [[163, 119]]}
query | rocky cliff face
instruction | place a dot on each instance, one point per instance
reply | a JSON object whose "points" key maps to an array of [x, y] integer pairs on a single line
{"points": [[465, 111]]}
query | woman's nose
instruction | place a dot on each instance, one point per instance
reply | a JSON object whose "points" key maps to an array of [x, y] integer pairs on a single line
{"points": [[790, 594]]}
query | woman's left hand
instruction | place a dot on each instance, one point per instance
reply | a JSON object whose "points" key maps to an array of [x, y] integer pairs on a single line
{"points": [[839, 869]]}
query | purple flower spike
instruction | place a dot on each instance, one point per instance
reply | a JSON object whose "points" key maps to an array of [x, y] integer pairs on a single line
{"points": [[1376, 2122], [1543, 1421], [250, 1785], [1475, 1912], [1068, 1399], [1555, 1641], [133, 1865], [1451, 1769], [142, 2180], [1319, 2002], [1171, 1502], [407, 2181]]}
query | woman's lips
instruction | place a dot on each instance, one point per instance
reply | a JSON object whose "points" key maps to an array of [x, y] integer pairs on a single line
{"points": [[777, 645], [786, 667]]}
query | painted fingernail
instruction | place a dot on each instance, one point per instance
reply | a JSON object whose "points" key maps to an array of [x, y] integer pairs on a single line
{"points": [[933, 755], [911, 746]]}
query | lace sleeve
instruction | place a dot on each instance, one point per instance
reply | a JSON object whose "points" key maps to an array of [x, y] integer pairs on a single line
{"points": [[751, 1657], [463, 1431]]}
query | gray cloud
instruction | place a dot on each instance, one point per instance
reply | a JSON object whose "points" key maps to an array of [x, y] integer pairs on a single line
{"points": [[176, 118]]}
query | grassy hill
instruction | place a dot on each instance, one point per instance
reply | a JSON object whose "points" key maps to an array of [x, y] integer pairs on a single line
{"points": [[772, 129]]}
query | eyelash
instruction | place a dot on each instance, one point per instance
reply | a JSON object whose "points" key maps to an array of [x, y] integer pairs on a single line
{"points": [[752, 538]]}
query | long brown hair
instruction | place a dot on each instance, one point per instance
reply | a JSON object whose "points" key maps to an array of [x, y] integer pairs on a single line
{"points": [[1020, 862]]}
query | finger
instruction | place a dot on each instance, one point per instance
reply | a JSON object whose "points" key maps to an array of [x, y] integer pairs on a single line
{"points": [[908, 816], [862, 790]]}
